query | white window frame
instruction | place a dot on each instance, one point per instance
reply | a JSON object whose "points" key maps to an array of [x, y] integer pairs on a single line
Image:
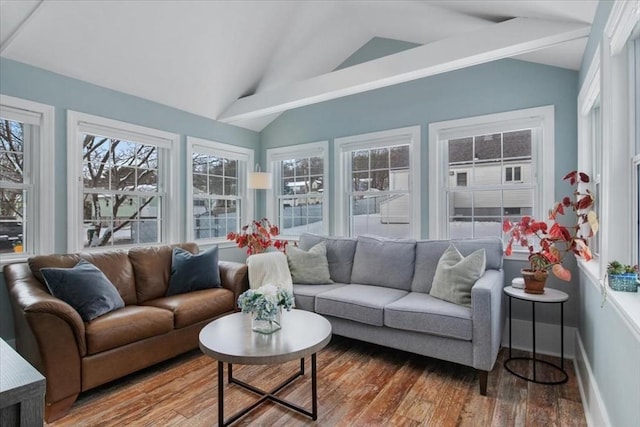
{"points": [[168, 175], [41, 159], [342, 150], [311, 149], [245, 158], [588, 98], [542, 165]]}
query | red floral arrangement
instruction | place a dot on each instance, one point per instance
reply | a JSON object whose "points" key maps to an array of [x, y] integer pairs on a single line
{"points": [[257, 236], [554, 240]]}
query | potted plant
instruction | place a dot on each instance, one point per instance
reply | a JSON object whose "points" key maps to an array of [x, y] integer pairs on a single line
{"points": [[265, 304], [622, 277], [548, 242], [257, 236]]}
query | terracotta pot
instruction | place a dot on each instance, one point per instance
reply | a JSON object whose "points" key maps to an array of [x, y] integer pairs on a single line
{"points": [[534, 281]]}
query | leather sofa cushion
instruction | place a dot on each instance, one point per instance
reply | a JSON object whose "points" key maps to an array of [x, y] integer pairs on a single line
{"points": [[423, 313], [126, 325], [305, 295], [384, 262], [51, 261], [361, 303], [152, 269], [196, 306], [118, 269]]}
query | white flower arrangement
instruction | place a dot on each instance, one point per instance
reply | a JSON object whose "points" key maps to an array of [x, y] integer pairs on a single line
{"points": [[265, 302]]}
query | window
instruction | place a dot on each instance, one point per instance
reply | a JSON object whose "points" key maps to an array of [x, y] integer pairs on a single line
{"points": [[26, 178], [513, 173], [379, 183], [125, 188], [461, 179], [217, 188], [298, 200], [509, 161]]}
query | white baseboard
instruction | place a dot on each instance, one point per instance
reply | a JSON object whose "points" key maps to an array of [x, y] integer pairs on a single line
{"points": [[547, 338], [595, 411]]}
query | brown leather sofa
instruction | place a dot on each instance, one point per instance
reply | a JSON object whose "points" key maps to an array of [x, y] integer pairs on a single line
{"points": [[76, 356]]}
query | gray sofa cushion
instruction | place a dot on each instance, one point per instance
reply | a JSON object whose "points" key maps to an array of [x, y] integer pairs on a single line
{"points": [[423, 313], [361, 303], [340, 251], [310, 267], [428, 252], [305, 295], [384, 262], [456, 275]]}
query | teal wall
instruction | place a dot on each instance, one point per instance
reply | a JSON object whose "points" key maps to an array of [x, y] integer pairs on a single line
{"points": [[64, 93], [611, 344]]}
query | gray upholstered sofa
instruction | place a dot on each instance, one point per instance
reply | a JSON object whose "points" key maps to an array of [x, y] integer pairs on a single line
{"points": [[381, 295]]}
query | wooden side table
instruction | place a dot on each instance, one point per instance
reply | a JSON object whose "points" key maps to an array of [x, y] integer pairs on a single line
{"points": [[22, 390], [550, 296]]}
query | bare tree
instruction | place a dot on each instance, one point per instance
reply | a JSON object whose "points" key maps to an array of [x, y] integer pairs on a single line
{"points": [[11, 167], [116, 165]]}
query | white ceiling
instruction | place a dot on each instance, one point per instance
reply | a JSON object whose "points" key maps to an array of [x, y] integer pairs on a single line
{"points": [[202, 56]]}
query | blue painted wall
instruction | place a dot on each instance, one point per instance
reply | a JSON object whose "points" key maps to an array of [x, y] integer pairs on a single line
{"points": [[64, 93]]}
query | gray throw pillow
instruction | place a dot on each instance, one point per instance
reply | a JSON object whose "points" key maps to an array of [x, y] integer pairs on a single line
{"points": [[456, 275], [193, 272], [85, 288], [309, 267]]}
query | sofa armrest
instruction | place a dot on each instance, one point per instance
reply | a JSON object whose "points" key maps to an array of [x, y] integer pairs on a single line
{"points": [[235, 277], [488, 318], [50, 334]]}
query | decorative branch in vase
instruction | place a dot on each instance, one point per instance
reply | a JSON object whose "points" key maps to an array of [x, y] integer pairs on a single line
{"points": [[548, 242], [258, 236]]}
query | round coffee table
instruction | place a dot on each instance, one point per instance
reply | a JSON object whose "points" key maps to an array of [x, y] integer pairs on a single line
{"points": [[230, 340]]}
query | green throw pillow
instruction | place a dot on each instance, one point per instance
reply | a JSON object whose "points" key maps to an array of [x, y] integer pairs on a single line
{"points": [[312, 267], [456, 275]]}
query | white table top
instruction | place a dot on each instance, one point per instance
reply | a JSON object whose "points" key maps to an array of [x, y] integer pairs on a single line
{"points": [[230, 338], [549, 295]]}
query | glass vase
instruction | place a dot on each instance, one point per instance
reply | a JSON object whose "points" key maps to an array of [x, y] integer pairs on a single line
{"points": [[266, 326]]}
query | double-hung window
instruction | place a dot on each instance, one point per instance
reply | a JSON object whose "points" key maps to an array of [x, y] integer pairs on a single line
{"points": [[507, 162], [298, 200], [26, 178], [379, 183], [217, 189], [123, 186]]}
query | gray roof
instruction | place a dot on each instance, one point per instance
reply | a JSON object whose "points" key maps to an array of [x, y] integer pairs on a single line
{"points": [[488, 147]]}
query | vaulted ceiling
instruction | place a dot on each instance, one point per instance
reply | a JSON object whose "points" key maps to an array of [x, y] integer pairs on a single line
{"points": [[244, 62]]}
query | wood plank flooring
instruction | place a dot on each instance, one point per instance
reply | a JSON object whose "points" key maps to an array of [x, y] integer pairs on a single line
{"points": [[359, 384]]}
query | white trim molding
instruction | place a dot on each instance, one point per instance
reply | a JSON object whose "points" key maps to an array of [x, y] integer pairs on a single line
{"points": [[43, 178], [342, 146], [169, 182]]}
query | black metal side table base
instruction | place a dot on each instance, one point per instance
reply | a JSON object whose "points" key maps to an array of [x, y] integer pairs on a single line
{"points": [[534, 380], [267, 395]]}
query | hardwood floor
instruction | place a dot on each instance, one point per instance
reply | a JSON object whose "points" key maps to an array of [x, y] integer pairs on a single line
{"points": [[359, 384]]}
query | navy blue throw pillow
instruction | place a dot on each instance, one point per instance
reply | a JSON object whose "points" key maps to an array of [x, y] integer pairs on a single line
{"points": [[85, 288], [193, 272]]}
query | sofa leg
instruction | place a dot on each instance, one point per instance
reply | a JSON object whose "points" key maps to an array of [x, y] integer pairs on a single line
{"points": [[482, 377], [57, 410]]}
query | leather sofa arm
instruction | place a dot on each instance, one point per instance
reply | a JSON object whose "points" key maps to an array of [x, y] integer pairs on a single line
{"points": [[487, 314], [50, 334], [235, 277]]}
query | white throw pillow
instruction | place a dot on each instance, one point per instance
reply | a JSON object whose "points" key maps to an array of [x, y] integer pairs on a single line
{"points": [[269, 268]]}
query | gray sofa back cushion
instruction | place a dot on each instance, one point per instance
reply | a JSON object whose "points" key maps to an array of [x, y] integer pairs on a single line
{"points": [[428, 252], [384, 262], [340, 251]]}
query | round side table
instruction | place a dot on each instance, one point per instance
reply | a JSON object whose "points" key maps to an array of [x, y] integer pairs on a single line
{"points": [[550, 296]]}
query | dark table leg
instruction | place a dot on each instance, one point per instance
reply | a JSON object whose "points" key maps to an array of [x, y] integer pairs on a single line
{"points": [[314, 388], [533, 327], [221, 394]]}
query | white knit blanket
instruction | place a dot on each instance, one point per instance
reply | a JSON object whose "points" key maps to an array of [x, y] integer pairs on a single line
{"points": [[269, 268]]}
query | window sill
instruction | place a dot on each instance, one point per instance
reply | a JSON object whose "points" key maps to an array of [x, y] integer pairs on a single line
{"points": [[12, 258], [626, 303]]}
